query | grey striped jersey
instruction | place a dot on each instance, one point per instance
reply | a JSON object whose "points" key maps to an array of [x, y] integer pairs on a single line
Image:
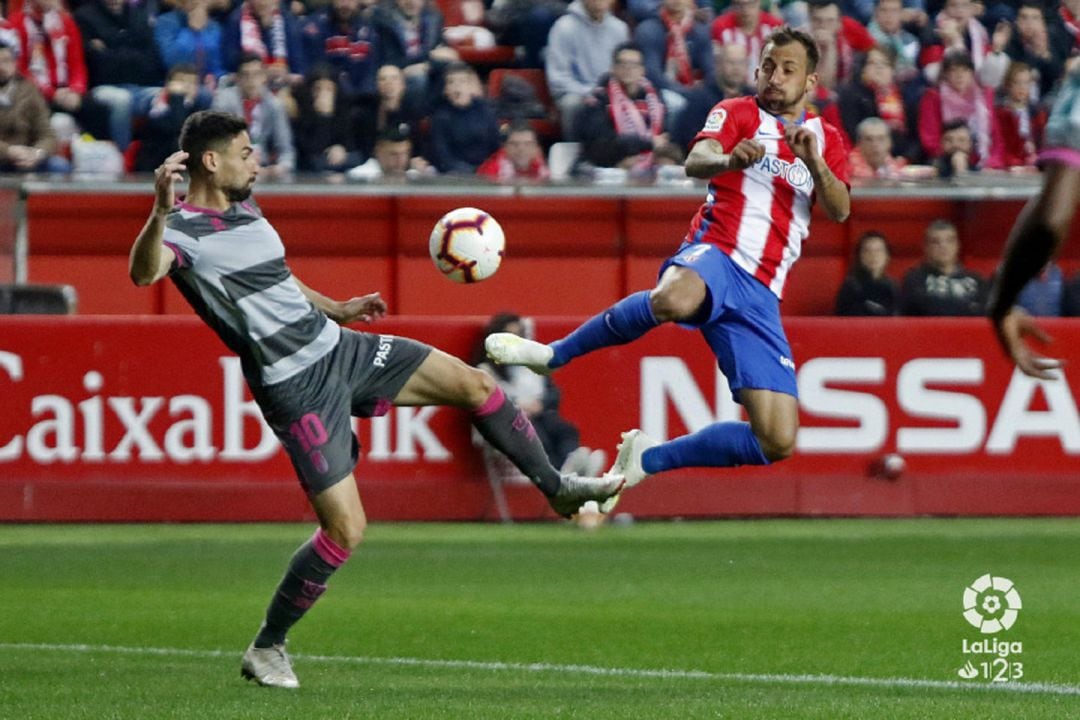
{"points": [[230, 266]]}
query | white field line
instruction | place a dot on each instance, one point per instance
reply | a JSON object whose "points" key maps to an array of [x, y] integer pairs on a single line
{"points": [[750, 678]]}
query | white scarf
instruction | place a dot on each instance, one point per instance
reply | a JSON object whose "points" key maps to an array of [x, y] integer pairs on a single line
{"points": [[48, 28], [251, 36]]}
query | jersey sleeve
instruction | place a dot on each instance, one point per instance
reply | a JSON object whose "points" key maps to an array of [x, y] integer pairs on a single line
{"points": [[725, 123], [185, 248], [836, 155]]}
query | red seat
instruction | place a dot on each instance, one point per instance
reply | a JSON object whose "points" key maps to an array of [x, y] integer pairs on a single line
{"points": [[498, 55]]}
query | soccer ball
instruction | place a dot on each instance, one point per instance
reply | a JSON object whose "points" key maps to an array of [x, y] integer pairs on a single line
{"points": [[467, 245]]}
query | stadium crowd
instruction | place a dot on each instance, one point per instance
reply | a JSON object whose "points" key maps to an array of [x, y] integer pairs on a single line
{"points": [[355, 90], [920, 87]]}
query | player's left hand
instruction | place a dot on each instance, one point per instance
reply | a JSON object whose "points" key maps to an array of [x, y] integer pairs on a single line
{"points": [[366, 308], [1012, 332], [802, 142]]}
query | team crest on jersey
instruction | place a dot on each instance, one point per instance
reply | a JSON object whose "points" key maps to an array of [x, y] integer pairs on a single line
{"points": [[716, 119]]}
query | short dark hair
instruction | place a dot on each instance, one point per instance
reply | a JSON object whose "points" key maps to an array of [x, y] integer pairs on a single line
{"points": [[517, 125], [786, 35], [957, 58], [623, 47], [182, 69], [395, 133], [248, 57], [955, 124], [457, 66], [208, 130], [867, 237], [940, 224]]}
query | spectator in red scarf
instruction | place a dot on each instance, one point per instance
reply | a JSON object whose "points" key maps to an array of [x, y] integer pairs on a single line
{"points": [[341, 34], [622, 121], [875, 93], [520, 158], [747, 25], [51, 55], [839, 39], [678, 53], [958, 30], [269, 29], [1021, 121], [959, 96]]}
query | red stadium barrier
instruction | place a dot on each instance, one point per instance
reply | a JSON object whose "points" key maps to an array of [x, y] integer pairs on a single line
{"points": [[139, 419], [567, 254]]}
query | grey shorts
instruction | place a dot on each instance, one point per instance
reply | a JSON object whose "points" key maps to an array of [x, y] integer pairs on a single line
{"points": [[310, 412]]}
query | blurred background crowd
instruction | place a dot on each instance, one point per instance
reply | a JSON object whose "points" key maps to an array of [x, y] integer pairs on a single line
{"points": [[533, 90], [518, 90]]}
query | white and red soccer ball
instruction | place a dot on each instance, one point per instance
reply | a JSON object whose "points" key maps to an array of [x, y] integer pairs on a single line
{"points": [[467, 245]]}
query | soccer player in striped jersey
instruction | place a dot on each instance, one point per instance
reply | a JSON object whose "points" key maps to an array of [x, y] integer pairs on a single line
{"points": [[308, 374], [767, 159]]}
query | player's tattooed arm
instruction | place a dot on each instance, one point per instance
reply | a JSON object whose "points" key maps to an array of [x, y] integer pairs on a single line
{"points": [[149, 259], [834, 195], [707, 158], [365, 308]]}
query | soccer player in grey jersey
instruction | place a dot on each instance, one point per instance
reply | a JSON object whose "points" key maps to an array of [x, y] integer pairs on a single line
{"points": [[1039, 232], [307, 373]]}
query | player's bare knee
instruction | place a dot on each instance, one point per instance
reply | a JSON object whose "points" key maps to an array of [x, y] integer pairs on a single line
{"points": [[479, 387], [672, 303], [777, 445], [347, 532]]}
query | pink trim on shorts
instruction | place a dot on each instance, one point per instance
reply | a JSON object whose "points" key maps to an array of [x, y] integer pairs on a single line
{"points": [[382, 406], [1063, 155], [329, 550], [493, 403]]}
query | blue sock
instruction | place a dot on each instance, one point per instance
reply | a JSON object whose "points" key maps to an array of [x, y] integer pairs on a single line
{"points": [[626, 320], [726, 444]]}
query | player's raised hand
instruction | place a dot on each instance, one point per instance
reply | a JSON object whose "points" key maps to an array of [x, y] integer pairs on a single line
{"points": [[745, 154], [802, 142], [165, 179], [365, 308], [1013, 330]]}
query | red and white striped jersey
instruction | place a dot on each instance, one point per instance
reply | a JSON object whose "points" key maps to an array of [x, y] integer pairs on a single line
{"points": [[761, 215]]}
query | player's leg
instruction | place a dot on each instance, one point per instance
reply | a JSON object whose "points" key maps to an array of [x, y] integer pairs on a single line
{"points": [[679, 295], [442, 379], [310, 415], [744, 332]]}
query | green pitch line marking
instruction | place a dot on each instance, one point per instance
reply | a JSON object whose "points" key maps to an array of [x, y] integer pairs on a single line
{"points": [[750, 678]]}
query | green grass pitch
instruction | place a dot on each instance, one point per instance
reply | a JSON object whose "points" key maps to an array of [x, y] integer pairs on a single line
{"points": [[733, 619]]}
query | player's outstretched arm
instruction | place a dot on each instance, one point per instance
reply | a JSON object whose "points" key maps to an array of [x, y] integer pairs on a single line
{"points": [[833, 194], [150, 260], [365, 308], [707, 158], [1039, 231]]}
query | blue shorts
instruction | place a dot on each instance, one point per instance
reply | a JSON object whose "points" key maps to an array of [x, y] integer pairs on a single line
{"points": [[743, 322]]}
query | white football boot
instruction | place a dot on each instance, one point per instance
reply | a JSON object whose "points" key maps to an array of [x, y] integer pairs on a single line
{"points": [[574, 491], [627, 464], [510, 349], [270, 667]]}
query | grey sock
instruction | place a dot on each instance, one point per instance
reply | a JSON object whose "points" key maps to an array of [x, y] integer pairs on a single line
{"points": [[304, 581], [508, 429]]}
